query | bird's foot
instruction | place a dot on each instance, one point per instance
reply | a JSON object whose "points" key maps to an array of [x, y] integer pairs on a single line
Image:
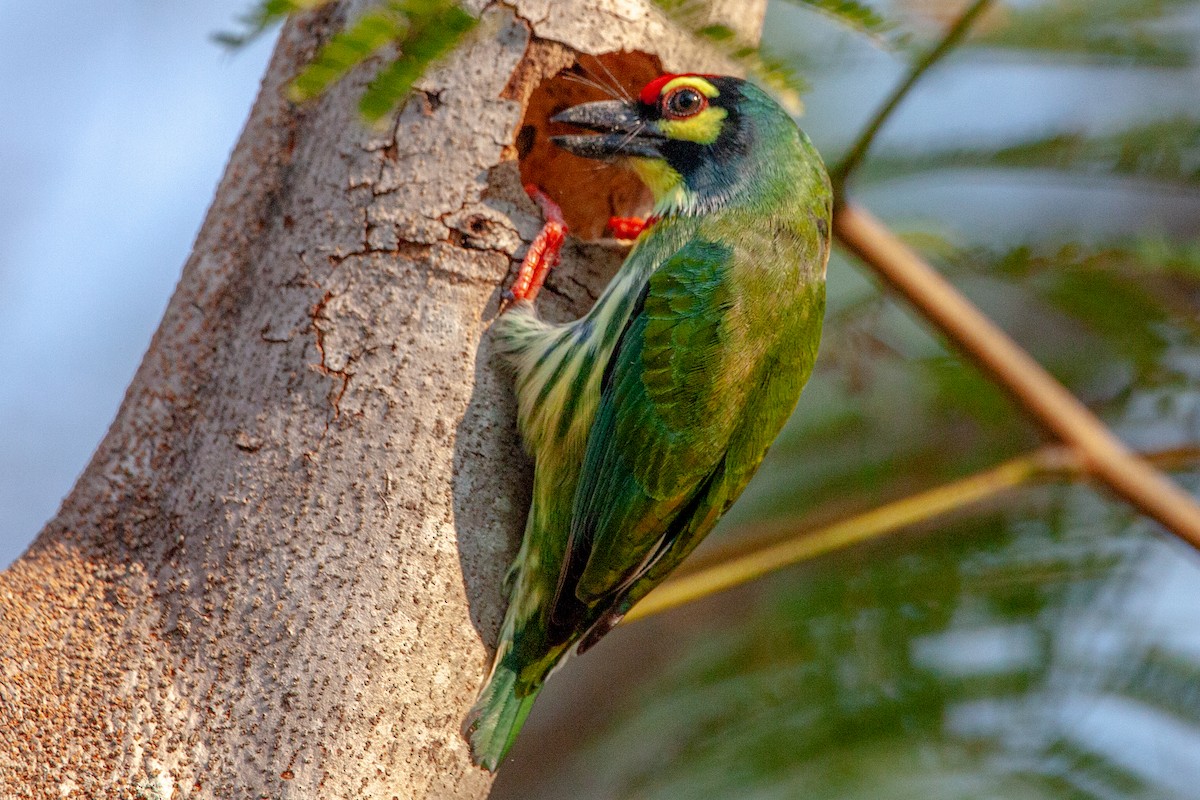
{"points": [[629, 227], [543, 254]]}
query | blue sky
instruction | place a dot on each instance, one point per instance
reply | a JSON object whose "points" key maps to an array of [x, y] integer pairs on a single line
{"points": [[116, 121]]}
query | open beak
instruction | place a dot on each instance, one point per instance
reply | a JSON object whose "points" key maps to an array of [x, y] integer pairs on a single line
{"points": [[621, 131]]}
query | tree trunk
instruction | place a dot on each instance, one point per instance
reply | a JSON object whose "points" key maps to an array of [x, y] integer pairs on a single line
{"points": [[279, 575]]}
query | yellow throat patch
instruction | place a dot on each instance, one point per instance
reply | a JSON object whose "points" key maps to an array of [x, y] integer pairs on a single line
{"points": [[660, 178]]}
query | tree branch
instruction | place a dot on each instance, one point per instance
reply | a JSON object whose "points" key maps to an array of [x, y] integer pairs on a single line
{"points": [[1043, 397], [735, 568], [858, 151]]}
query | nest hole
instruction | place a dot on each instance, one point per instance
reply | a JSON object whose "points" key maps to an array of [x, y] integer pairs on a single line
{"points": [[589, 191]]}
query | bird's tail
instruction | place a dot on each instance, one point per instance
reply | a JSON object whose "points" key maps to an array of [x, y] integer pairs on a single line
{"points": [[496, 718]]}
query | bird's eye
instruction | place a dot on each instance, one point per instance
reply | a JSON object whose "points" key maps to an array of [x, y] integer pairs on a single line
{"points": [[683, 102]]}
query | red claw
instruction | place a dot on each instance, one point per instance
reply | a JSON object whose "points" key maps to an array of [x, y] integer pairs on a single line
{"points": [[629, 227], [544, 251]]}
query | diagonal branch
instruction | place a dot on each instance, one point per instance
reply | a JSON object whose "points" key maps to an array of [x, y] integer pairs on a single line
{"points": [[858, 150], [1043, 397], [732, 569], [990, 348]]}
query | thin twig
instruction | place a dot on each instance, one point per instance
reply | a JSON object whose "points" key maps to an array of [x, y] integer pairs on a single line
{"points": [[1044, 398], [858, 150], [727, 571]]}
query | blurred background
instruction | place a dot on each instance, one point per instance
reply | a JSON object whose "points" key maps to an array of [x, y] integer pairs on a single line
{"points": [[1043, 645]]}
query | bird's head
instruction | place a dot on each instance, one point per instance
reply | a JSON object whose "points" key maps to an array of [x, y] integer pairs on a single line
{"points": [[698, 142]]}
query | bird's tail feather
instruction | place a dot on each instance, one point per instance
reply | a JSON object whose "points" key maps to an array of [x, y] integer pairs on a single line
{"points": [[496, 718]]}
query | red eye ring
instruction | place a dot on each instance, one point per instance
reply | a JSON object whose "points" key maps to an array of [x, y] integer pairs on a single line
{"points": [[683, 102]]}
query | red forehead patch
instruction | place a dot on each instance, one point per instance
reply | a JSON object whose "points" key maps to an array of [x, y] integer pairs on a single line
{"points": [[651, 91]]}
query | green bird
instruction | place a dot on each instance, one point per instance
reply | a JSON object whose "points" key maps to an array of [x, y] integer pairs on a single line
{"points": [[646, 417]]}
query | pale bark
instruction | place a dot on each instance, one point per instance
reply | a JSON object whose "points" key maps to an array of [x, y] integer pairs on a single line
{"points": [[279, 574]]}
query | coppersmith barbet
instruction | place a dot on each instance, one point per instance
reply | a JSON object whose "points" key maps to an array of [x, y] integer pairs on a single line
{"points": [[646, 417]]}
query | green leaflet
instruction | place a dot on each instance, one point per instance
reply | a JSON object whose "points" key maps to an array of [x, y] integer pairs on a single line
{"points": [[349, 48], [857, 16], [1123, 31], [1164, 150], [262, 17], [420, 31]]}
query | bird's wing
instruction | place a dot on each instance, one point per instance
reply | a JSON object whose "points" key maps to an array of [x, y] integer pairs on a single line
{"points": [[662, 427]]}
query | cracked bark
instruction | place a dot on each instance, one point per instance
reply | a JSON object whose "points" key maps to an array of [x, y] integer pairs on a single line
{"points": [[279, 574]]}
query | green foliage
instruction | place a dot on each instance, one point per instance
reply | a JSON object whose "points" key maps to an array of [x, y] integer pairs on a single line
{"points": [[1172, 258], [1166, 680], [862, 679], [409, 34], [1122, 31], [370, 33], [1084, 286], [264, 16], [857, 16], [1163, 150]]}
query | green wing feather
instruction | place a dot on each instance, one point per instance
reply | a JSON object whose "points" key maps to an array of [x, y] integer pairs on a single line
{"points": [[662, 427], [694, 395]]}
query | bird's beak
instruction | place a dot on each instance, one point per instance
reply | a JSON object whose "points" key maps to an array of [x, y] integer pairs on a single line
{"points": [[623, 132]]}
